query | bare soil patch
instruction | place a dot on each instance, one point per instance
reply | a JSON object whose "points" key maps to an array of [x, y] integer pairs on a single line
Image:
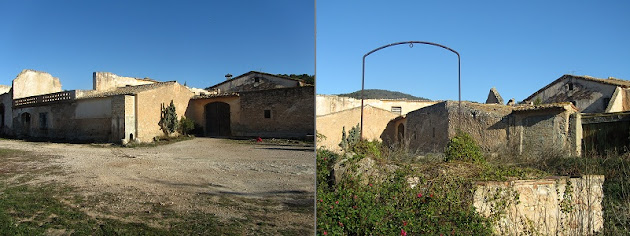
{"points": [[256, 188]]}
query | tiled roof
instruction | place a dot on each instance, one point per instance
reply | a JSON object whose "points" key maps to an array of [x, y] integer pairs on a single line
{"points": [[611, 81], [255, 72], [560, 105], [129, 90], [215, 95]]}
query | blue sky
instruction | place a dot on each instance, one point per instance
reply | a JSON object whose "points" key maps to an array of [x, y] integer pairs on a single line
{"points": [[516, 46], [196, 42]]}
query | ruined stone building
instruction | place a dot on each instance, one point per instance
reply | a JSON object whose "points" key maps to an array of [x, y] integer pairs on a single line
{"points": [[572, 115], [121, 109], [588, 94], [335, 113], [495, 127]]}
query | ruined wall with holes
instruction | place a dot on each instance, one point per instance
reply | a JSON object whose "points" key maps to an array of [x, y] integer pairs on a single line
{"points": [[106, 81], [326, 104], [375, 121], [291, 113], [552, 206], [32, 83]]}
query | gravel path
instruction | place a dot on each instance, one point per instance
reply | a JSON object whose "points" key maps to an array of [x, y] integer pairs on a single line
{"points": [[177, 174]]}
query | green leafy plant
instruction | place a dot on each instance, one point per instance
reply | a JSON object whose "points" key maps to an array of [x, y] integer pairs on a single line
{"points": [[353, 137], [168, 119], [368, 148], [186, 125], [392, 207], [464, 148]]}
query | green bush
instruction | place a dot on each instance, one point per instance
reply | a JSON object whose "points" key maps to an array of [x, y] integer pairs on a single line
{"points": [[353, 137], [168, 119], [367, 148], [186, 125], [325, 162], [464, 148], [392, 207]]}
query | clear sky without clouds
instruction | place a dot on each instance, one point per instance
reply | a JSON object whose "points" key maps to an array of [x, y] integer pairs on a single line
{"points": [[516, 46], [196, 42]]}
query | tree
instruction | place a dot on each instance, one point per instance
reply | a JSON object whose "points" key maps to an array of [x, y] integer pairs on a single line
{"points": [[168, 119]]}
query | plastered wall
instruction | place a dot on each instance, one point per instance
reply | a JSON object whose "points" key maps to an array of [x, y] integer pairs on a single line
{"points": [[148, 108], [327, 104], [551, 206], [374, 123]]}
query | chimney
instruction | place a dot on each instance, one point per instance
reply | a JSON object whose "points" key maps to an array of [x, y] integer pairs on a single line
{"points": [[228, 76]]}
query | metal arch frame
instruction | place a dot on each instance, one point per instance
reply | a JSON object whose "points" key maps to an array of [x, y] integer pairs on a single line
{"points": [[459, 75]]}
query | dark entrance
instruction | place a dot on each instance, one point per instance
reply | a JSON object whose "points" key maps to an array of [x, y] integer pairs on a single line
{"points": [[401, 132], [218, 119]]}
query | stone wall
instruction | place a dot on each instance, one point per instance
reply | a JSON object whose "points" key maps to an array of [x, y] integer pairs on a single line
{"points": [[59, 121], [6, 118], [32, 83], [375, 121], [429, 129], [327, 104], [552, 206], [105, 81], [148, 108], [292, 114], [532, 130], [541, 132]]}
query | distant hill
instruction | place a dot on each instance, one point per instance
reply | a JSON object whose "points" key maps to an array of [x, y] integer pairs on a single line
{"points": [[381, 94]]}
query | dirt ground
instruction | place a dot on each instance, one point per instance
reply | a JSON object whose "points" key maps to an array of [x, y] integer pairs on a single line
{"points": [[271, 186]]}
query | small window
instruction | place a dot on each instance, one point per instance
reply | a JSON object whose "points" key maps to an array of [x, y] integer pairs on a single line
{"points": [[570, 86], [267, 114], [397, 110], [256, 79], [43, 120]]}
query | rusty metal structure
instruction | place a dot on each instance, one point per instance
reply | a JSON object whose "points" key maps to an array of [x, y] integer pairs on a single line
{"points": [[410, 43]]}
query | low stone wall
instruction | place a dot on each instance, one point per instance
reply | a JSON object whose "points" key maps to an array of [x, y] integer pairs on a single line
{"points": [[552, 206]]}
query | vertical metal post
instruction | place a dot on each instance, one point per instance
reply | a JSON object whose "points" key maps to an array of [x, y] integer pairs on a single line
{"points": [[362, 97]]}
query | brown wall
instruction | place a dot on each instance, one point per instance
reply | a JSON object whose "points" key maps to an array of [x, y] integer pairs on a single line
{"points": [[292, 113]]}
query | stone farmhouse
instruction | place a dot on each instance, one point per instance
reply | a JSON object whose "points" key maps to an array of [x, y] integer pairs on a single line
{"points": [[124, 109], [572, 115]]}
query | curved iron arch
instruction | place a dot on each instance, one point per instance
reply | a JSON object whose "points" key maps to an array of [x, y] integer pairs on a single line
{"points": [[459, 75]]}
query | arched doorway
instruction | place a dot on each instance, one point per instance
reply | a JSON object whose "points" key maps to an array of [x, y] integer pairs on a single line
{"points": [[218, 119], [401, 132]]}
